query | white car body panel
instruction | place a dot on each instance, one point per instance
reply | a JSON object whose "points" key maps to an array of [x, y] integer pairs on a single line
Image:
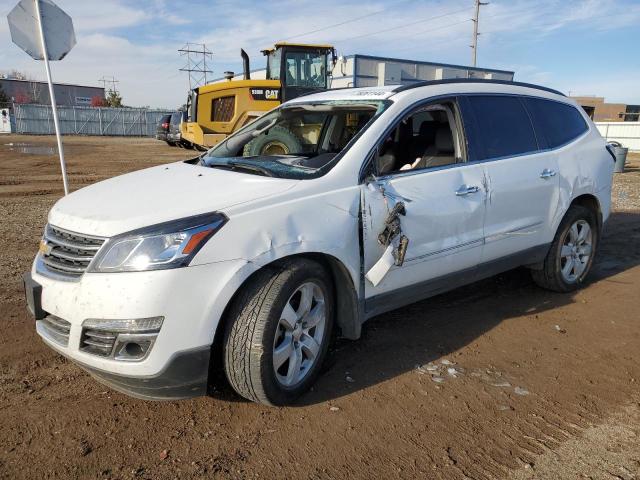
{"points": [[521, 205], [445, 231], [158, 194]]}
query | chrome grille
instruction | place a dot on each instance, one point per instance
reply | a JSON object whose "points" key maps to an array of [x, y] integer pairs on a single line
{"points": [[57, 329], [68, 253], [97, 342]]}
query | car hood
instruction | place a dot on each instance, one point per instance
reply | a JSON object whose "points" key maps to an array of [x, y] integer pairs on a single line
{"points": [[158, 194]]}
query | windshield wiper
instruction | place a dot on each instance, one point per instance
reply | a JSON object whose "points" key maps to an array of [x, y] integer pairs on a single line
{"points": [[251, 168], [240, 166]]}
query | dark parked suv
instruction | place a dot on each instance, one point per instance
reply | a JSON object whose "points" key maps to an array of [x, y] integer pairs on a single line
{"points": [[163, 128], [173, 135]]}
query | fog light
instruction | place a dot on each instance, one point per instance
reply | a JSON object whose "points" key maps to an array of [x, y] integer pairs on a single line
{"points": [[129, 325], [126, 339], [133, 347]]}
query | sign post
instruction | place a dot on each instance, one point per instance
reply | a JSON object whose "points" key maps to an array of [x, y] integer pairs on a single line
{"points": [[46, 33]]}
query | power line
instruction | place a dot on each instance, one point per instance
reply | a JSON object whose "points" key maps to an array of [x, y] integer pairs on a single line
{"points": [[197, 55], [109, 80], [475, 20], [351, 20], [422, 20]]}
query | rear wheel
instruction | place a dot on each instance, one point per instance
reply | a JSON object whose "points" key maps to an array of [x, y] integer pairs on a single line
{"points": [[571, 254], [279, 331]]}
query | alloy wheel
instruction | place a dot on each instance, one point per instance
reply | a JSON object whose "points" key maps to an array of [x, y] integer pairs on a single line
{"points": [[576, 251], [299, 335]]}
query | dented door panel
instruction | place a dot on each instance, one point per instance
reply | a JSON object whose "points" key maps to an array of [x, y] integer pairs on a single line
{"points": [[444, 228]]}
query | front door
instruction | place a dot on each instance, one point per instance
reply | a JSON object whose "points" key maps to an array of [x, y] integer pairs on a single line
{"points": [[443, 224], [423, 165]]}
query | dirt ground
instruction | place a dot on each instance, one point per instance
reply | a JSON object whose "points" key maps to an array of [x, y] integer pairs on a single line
{"points": [[544, 385]]}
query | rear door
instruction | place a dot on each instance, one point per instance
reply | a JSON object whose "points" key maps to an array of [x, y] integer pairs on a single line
{"points": [[523, 180]]}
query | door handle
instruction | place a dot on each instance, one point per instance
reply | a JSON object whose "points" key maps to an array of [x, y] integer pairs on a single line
{"points": [[466, 190], [546, 173]]}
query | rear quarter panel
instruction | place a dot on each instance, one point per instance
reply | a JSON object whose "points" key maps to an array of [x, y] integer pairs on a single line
{"points": [[586, 167]]}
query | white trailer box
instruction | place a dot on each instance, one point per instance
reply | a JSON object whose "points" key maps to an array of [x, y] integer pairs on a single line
{"points": [[369, 71]]}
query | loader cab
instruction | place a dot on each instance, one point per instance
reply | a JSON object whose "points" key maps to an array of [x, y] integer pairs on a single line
{"points": [[300, 68]]}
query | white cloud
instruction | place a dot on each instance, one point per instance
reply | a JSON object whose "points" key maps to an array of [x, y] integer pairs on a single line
{"points": [[137, 42]]}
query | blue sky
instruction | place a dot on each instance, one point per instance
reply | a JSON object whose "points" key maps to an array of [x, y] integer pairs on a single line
{"points": [[582, 47]]}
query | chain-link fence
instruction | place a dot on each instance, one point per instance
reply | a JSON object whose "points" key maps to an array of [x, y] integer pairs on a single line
{"points": [[130, 122]]}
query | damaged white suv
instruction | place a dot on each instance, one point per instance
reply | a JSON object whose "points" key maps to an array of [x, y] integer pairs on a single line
{"points": [[331, 209]]}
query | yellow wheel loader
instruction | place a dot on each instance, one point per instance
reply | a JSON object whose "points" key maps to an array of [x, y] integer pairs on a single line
{"points": [[218, 109]]}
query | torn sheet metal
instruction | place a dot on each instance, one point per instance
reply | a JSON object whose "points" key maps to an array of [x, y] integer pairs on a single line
{"points": [[390, 236], [381, 267]]}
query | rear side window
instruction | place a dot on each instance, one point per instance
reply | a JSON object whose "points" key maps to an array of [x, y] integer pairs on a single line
{"points": [[503, 126], [557, 122]]}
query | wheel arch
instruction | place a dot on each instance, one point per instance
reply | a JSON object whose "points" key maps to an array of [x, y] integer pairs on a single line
{"points": [[591, 202], [348, 309]]}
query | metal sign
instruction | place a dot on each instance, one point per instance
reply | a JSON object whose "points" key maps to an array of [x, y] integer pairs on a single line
{"points": [[45, 32], [57, 27]]}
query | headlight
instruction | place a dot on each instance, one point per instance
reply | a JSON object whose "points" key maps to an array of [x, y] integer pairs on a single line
{"points": [[167, 245]]}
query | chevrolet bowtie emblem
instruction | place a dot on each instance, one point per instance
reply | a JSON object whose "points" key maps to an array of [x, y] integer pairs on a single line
{"points": [[45, 248]]}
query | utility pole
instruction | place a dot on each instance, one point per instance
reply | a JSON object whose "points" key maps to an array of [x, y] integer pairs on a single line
{"points": [[475, 19], [197, 55]]}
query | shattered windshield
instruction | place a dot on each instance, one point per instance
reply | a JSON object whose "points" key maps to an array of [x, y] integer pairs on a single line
{"points": [[297, 141]]}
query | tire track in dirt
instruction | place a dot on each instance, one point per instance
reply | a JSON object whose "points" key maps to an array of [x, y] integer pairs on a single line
{"points": [[579, 416]]}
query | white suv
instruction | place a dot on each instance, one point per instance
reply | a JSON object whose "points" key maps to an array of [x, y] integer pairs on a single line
{"points": [[325, 212]]}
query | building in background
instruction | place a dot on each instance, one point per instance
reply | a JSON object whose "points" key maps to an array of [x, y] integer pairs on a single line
{"points": [[32, 91], [369, 71], [600, 111]]}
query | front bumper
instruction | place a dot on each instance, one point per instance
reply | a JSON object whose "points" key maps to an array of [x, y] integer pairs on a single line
{"points": [[191, 300], [185, 376]]}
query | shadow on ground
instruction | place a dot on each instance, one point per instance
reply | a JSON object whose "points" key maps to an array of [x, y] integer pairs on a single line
{"points": [[393, 343], [426, 331]]}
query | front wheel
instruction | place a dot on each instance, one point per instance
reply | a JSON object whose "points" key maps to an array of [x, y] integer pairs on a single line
{"points": [[278, 332], [570, 257]]}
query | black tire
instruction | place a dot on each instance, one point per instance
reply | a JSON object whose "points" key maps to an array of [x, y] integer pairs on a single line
{"points": [[252, 325], [171, 144], [279, 139], [550, 275]]}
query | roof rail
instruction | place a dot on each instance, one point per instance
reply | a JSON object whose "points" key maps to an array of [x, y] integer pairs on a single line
{"points": [[427, 83]]}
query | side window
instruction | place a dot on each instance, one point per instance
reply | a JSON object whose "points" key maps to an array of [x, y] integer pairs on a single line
{"points": [[559, 123], [503, 126], [428, 137]]}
